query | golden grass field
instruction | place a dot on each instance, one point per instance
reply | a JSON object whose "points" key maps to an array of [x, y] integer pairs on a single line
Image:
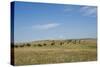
{"points": [[86, 50]]}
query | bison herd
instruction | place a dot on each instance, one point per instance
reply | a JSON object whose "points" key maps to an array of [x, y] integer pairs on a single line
{"points": [[52, 43]]}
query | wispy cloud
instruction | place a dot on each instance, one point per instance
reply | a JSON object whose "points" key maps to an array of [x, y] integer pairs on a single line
{"points": [[88, 11], [45, 26], [67, 9]]}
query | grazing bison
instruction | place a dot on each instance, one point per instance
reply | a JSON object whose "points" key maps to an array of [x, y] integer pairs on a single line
{"points": [[52, 43], [21, 45], [28, 44], [61, 43], [39, 45], [16, 46], [44, 44]]}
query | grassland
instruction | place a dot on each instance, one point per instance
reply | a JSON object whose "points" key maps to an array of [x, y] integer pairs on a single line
{"points": [[55, 51]]}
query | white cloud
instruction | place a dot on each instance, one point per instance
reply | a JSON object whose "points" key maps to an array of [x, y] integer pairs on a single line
{"points": [[67, 10], [45, 26], [88, 11]]}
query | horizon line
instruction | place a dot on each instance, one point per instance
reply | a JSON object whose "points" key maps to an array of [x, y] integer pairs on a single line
{"points": [[53, 39]]}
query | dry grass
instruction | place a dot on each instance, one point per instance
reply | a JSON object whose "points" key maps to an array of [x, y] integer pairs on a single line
{"points": [[55, 54]]}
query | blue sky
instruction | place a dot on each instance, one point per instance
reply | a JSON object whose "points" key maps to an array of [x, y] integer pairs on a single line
{"points": [[38, 21]]}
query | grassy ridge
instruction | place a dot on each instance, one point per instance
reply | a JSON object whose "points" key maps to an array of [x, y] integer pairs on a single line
{"points": [[60, 52]]}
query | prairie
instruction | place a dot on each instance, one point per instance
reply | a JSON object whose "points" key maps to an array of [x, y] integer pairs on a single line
{"points": [[55, 51]]}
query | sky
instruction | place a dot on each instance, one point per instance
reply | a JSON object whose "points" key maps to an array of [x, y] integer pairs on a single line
{"points": [[43, 21]]}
